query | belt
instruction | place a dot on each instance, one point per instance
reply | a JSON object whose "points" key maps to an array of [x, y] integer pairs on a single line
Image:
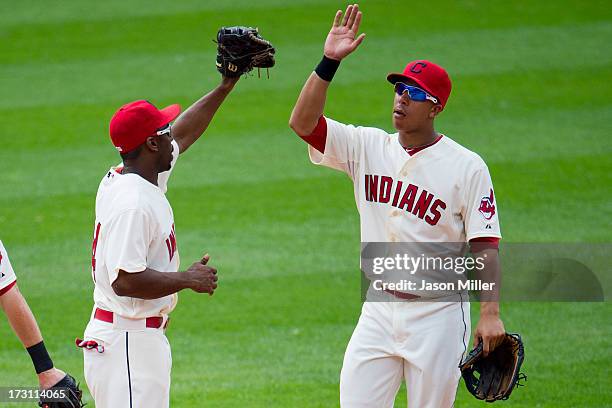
{"points": [[151, 322], [402, 295]]}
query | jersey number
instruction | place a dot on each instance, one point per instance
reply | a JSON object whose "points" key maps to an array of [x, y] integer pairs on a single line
{"points": [[94, 246]]}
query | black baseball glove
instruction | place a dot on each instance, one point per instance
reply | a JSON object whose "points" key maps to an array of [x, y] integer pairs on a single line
{"points": [[65, 394], [240, 49], [498, 373]]}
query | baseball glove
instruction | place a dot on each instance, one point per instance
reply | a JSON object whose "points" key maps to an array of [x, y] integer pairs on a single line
{"points": [[240, 49], [65, 394], [498, 373]]}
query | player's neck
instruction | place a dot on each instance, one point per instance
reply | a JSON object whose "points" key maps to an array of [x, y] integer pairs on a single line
{"points": [[417, 138], [147, 174]]}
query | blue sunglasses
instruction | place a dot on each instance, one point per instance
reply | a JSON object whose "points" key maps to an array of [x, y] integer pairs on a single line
{"points": [[414, 93]]}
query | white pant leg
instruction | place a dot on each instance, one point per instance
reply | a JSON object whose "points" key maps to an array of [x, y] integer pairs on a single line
{"points": [[132, 372], [436, 336], [371, 374]]}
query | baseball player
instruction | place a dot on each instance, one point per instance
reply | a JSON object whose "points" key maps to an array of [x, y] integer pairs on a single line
{"points": [[24, 324], [135, 258], [415, 185]]}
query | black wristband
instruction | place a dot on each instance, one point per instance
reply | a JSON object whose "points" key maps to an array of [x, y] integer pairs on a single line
{"points": [[40, 357], [327, 68]]}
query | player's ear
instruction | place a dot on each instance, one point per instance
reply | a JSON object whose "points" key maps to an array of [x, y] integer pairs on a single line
{"points": [[433, 112], [152, 143]]}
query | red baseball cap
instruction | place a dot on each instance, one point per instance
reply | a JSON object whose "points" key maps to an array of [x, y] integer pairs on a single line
{"points": [[134, 122], [431, 77]]}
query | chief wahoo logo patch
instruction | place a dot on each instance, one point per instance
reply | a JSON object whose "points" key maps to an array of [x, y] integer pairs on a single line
{"points": [[487, 206]]}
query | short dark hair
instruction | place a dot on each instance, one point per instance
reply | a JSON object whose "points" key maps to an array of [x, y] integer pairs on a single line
{"points": [[132, 154]]}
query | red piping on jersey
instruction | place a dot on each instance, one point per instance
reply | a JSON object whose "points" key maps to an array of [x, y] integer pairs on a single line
{"points": [[6, 289], [318, 136], [412, 151], [481, 243]]}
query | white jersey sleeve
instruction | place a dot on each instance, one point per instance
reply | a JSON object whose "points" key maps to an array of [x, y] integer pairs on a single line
{"points": [[162, 178], [343, 146], [7, 275], [128, 238], [481, 217]]}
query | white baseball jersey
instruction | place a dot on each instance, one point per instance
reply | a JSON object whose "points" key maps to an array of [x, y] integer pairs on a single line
{"points": [[436, 193], [440, 193], [134, 230], [7, 275]]}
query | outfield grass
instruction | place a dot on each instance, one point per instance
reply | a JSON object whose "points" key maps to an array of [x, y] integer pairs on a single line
{"points": [[531, 94]]}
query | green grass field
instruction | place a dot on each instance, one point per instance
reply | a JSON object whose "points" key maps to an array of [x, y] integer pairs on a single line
{"points": [[532, 94]]}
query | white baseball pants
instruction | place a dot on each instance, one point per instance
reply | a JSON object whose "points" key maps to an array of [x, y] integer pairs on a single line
{"points": [[133, 370], [421, 342]]}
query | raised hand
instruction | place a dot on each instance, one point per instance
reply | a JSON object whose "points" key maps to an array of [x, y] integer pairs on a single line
{"points": [[341, 40]]}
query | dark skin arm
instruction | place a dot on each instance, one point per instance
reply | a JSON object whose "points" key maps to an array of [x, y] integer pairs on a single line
{"points": [[192, 123], [152, 284], [490, 329]]}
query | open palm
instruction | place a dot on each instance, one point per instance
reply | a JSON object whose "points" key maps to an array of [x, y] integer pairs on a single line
{"points": [[341, 39]]}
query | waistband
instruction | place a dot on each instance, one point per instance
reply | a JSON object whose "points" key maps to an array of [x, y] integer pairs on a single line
{"points": [[401, 295], [119, 322]]}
